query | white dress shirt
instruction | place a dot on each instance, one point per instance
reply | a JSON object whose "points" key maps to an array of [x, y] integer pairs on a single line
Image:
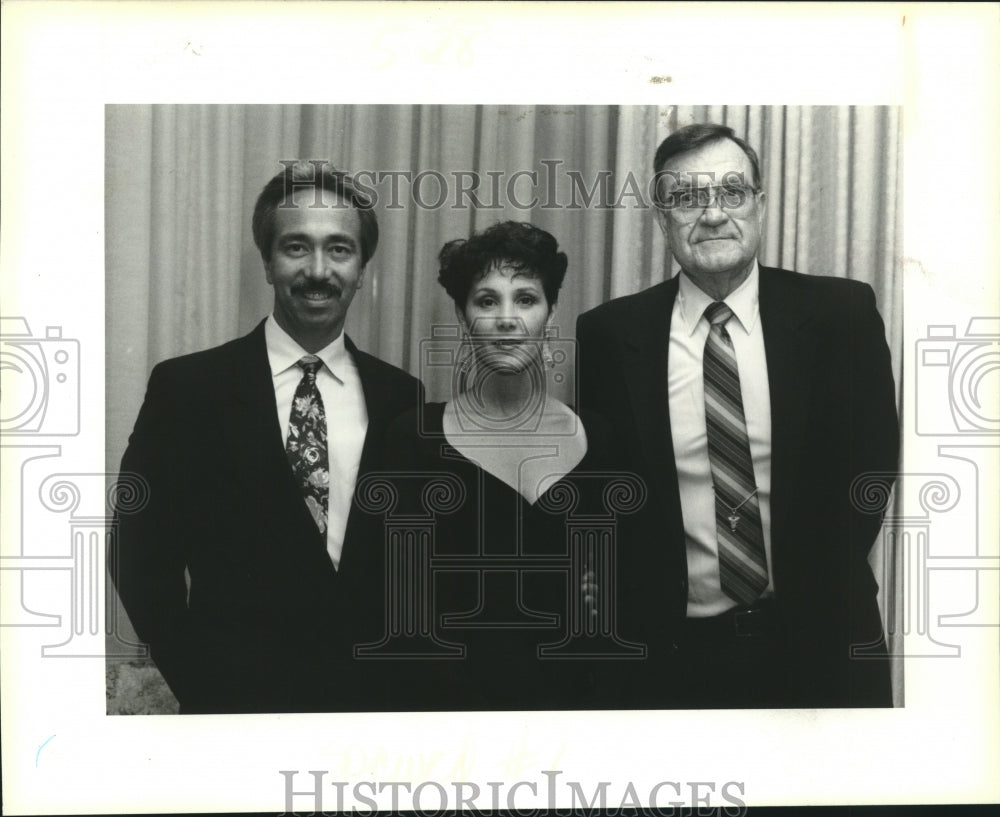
{"points": [[688, 332], [339, 385]]}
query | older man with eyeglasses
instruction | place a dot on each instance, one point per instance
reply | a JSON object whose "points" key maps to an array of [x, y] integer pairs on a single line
{"points": [[750, 399]]}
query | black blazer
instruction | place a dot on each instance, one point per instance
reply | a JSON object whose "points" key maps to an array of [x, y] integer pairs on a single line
{"points": [[267, 623], [833, 418]]}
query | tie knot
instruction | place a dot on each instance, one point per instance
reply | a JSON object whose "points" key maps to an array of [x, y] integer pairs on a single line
{"points": [[310, 364], [718, 313]]}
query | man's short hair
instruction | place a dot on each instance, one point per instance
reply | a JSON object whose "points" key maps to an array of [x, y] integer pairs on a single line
{"points": [[303, 176], [692, 137]]}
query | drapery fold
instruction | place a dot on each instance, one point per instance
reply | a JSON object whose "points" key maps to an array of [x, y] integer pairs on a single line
{"points": [[183, 271]]}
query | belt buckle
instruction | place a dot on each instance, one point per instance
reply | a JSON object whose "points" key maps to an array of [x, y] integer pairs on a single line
{"points": [[744, 623]]}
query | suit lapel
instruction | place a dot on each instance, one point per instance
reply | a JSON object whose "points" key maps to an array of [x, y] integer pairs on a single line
{"points": [[646, 347], [377, 402], [790, 347], [362, 532], [258, 449]]}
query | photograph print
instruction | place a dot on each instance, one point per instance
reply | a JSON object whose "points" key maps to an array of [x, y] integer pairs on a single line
{"points": [[478, 407]]}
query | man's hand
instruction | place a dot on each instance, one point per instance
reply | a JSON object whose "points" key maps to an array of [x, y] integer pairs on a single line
{"points": [[588, 587]]}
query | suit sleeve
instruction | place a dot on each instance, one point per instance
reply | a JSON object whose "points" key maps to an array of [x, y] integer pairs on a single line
{"points": [[146, 558], [590, 364], [874, 424]]}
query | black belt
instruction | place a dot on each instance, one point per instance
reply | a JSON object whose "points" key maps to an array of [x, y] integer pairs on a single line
{"points": [[756, 621]]}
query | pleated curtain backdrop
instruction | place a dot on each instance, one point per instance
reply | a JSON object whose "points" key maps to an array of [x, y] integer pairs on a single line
{"points": [[182, 272]]}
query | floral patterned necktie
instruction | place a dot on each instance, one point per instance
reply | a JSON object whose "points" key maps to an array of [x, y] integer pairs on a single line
{"points": [[306, 446]]}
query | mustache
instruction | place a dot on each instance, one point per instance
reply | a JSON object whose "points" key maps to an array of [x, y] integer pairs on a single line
{"points": [[327, 289]]}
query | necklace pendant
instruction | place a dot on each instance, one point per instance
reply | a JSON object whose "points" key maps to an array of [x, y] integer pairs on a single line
{"points": [[734, 520]]}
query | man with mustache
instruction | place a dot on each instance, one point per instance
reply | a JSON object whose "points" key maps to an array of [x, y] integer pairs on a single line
{"points": [[750, 399], [249, 572]]}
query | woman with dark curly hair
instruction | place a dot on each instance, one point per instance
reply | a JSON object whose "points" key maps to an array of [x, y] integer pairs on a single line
{"points": [[523, 461], [505, 284]]}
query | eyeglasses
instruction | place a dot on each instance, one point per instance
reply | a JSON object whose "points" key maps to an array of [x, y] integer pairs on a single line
{"points": [[688, 203]]}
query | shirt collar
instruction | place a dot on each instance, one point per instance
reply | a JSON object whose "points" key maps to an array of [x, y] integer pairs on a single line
{"points": [[744, 301], [283, 351]]}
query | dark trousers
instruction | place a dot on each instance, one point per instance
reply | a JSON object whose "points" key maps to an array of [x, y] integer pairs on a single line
{"points": [[737, 660]]}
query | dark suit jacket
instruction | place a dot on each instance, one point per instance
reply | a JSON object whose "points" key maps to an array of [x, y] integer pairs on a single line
{"points": [[267, 624], [833, 418]]}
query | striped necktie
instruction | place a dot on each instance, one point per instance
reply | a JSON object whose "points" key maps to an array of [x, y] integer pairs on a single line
{"points": [[307, 447], [742, 560]]}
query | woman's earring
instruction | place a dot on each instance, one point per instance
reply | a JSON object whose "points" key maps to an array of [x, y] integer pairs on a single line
{"points": [[464, 360], [547, 358]]}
